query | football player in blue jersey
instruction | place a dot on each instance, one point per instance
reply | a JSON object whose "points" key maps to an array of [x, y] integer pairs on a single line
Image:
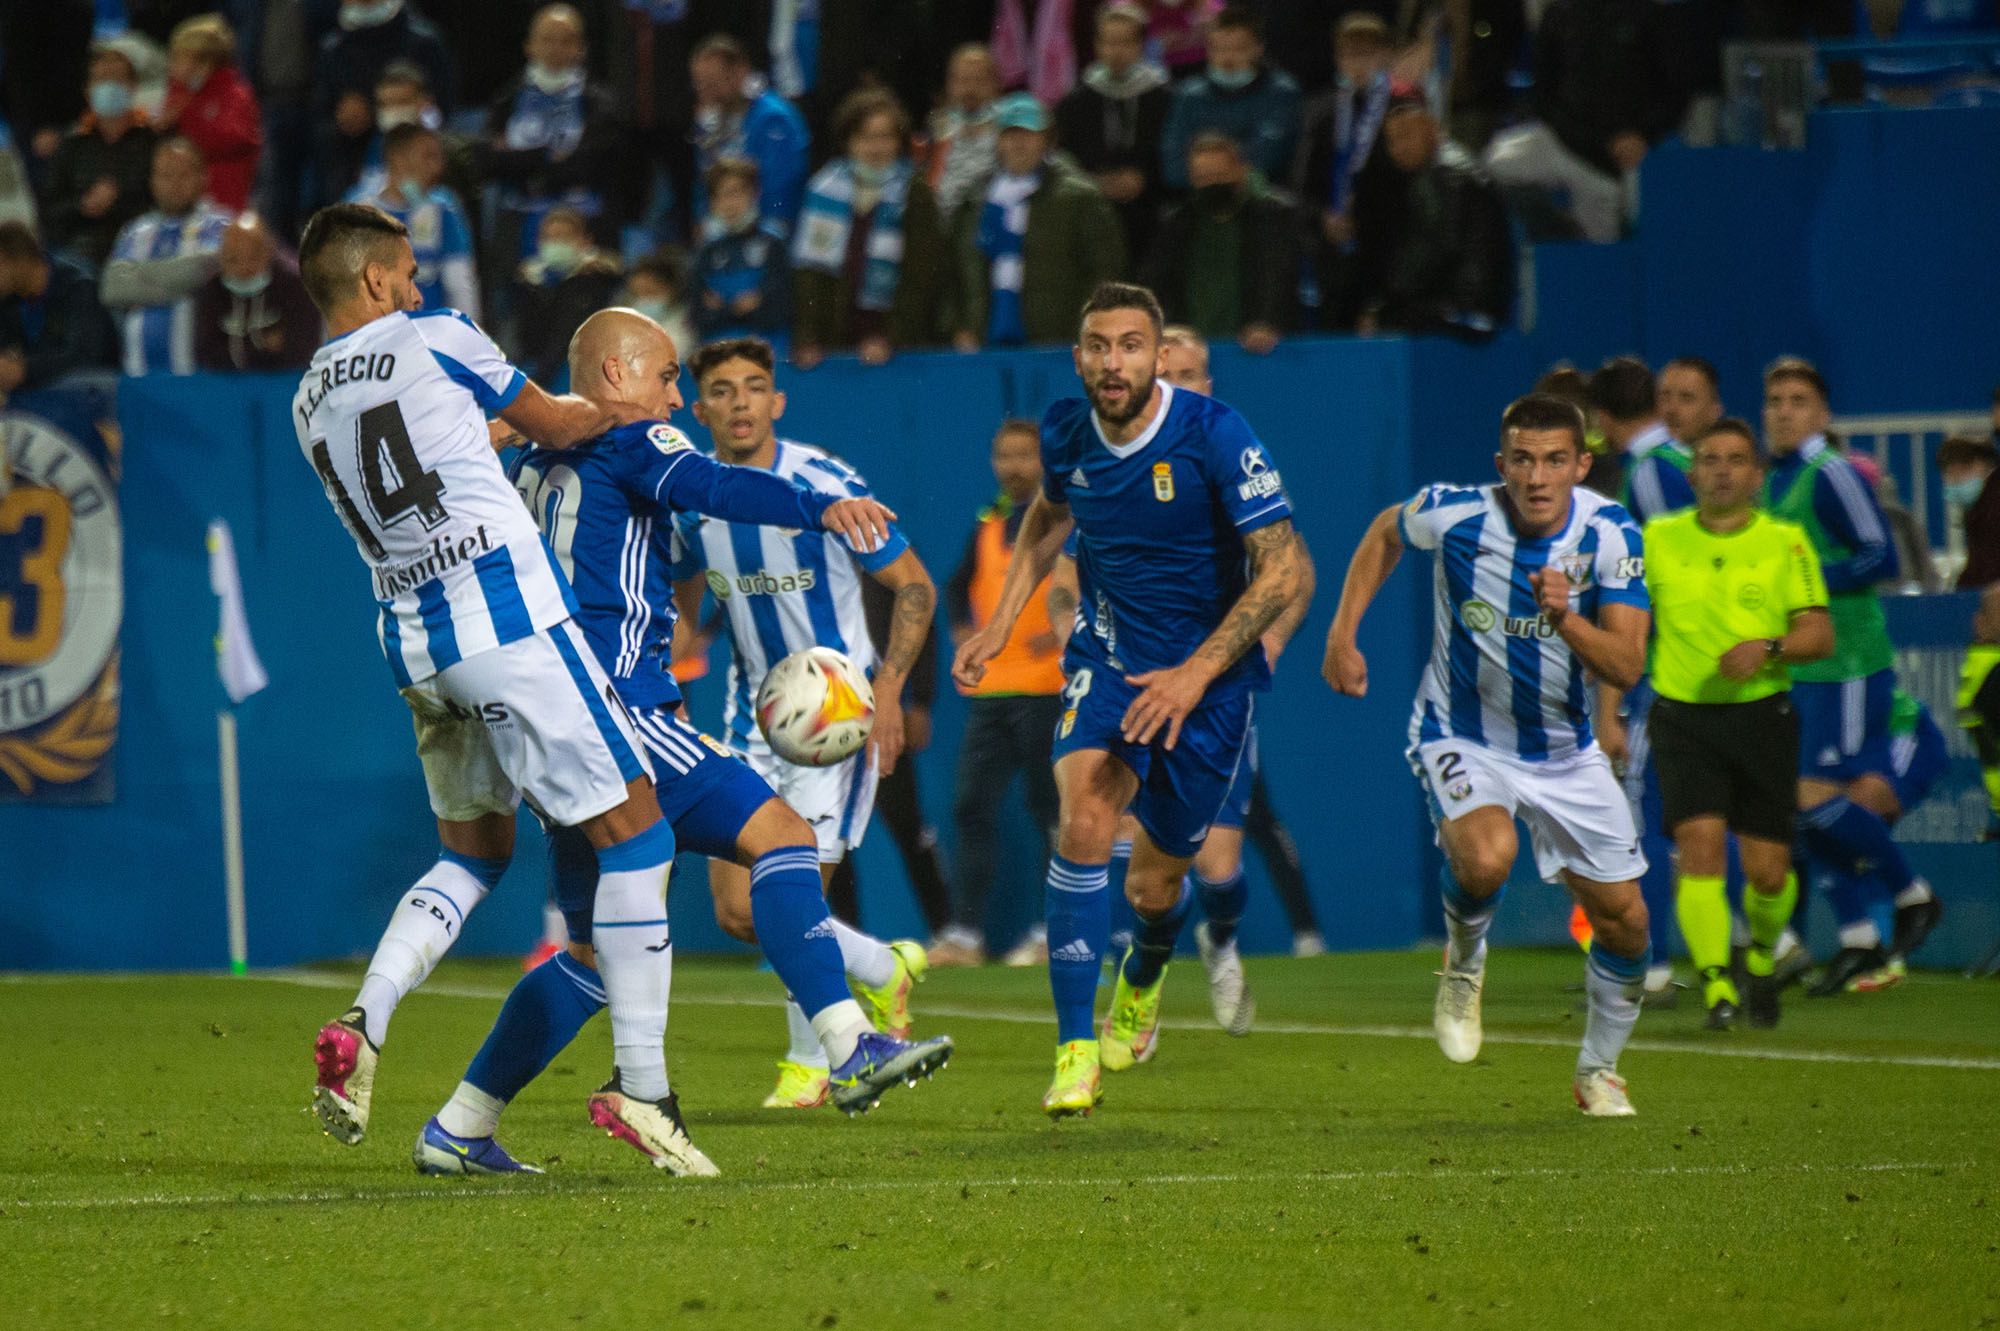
{"points": [[605, 506], [1538, 582], [782, 590], [1186, 558]]}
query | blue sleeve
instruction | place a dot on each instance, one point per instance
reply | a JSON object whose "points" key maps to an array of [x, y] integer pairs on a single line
{"points": [[1657, 488], [695, 483], [1620, 572], [469, 357], [1848, 511], [1055, 476], [1245, 479]]}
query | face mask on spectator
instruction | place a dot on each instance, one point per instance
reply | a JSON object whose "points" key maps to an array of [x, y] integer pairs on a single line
{"points": [[369, 16], [560, 256], [247, 287], [871, 177], [1965, 493], [110, 99], [552, 81], [1231, 78], [413, 193]]}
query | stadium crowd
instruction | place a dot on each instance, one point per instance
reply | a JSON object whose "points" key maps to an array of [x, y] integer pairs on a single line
{"points": [[858, 177]]}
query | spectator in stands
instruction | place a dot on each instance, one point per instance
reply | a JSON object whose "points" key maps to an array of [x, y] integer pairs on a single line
{"points": [[47, 49], [1449, 266], [212, 104], [254, 314], [567, 281], [1227, 258], [1967, 464], [552, 136], [440, 237], [160, 260], [1177, 30], [656, 286], [737, 115], [1690, 395], [51, 325], [1239, 95], [1343, 177], [101, 176], [962, 133], [870, 253], [743, 270], [1111, 121], [1607, 87], [372, 35], [1011, 716], [1033, 239], [403, 97]]}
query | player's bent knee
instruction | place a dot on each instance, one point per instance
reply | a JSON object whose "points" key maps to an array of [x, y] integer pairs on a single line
{"points": [[1481, 870]]}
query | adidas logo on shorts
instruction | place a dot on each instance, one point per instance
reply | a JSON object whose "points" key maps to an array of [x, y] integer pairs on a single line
{"points": [[1075, 950]]}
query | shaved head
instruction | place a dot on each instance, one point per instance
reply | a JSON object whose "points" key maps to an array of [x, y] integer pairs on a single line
{"points": [[621, 355]]}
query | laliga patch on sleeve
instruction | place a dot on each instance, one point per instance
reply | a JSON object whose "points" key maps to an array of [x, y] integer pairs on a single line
{"points": [[667, 439]]}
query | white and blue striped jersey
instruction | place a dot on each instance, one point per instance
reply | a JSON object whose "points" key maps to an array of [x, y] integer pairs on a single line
{"points": [[1498, 674], [393, 418], [159, 339], [782, 591]]}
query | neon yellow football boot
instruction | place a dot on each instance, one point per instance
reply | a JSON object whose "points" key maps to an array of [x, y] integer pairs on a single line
{"points": [[799, 1087], [1078, 1087], [1131, 1030], [889, 1005]]}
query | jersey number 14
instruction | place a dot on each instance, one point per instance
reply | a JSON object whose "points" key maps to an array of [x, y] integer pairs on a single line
{"points": [[394, 482]]}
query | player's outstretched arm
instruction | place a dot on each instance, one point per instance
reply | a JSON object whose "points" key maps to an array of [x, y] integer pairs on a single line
{"points": [[753, 496], [1279, 635], [916, 605], [1345, 668], [1167, 696], [559, 422], [1036, 546]]}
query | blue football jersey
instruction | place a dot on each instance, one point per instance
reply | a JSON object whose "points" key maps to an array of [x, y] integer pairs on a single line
{"points": [[606, 507], [1160, 525]]}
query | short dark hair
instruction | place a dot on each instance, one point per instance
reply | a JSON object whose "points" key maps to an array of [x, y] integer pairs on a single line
{"points": [[731, 168], [668, 267], [17, 241], [1542, 411], [1797, 367], [338, 245], [1702, 366], [753, 349], [1963, 448], [180, 143], [1240, 17], [403, 137], [858, 107], [1019, 425], [1124, 296], [1735, 425], [1623, 389], [722, 44], [1565, 381]]}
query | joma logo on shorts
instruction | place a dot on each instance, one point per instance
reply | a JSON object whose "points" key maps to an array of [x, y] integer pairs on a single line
{"points": [[761, 583]]}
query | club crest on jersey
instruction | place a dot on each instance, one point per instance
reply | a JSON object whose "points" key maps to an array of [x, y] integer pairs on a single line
{"points": [[1750, 596], [666, 438], [1259, 480], [1163, 481], [1068, 724], [1576, 568]]}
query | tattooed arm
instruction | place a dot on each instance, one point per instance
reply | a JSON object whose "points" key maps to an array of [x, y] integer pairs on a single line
{"points": [[1280, 633], [1062, 600], [1169, 695], [916, 603]]}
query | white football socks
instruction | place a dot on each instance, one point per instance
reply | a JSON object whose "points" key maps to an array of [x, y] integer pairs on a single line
{"points": [[636, 960], [866, 959], [425, 924], [471, 1112], [806, 1048]]}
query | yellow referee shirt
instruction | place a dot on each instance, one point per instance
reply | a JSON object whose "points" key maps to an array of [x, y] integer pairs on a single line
{"points": [[1711, 592]]}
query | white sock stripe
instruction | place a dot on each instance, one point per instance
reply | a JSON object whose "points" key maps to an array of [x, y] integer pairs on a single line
{"points": [[785, 861]]}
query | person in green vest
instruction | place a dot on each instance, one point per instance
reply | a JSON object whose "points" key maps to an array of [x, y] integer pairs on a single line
{"points": [[1739, 610], [1846, 791]]}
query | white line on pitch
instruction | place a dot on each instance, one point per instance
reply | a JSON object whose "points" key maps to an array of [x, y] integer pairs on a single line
{"points": [[460, 1190], [318, 980]]}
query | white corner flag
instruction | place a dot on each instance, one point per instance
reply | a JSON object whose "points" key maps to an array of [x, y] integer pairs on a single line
{"points": [[235, 655], [242, 675]]}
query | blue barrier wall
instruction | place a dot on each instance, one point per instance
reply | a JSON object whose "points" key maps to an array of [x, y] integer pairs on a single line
{"points": [[1871, 252]]}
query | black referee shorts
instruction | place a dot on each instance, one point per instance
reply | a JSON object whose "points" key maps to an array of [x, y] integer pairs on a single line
{"points": [[1739, 760]]}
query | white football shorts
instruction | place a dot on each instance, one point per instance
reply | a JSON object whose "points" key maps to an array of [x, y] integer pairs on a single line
{"points": [[1577, 814], [533, 717], [837, 801]]}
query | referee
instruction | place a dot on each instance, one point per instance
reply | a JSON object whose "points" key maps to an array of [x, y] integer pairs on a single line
{"points": [[1737, 596]]}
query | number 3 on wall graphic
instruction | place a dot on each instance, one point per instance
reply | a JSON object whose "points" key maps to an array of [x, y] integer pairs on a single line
{"points": [[35, 529]]}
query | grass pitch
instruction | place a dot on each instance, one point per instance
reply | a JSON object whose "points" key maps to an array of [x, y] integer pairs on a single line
{"points": [[157, 1167]]}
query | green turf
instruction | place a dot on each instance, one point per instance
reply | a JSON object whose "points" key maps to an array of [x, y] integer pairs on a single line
{"points": [[157, 1167]]}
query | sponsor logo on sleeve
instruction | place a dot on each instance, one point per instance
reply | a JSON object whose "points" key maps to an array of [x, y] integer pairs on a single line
{"points": [[1260, 479], [667, 439]]}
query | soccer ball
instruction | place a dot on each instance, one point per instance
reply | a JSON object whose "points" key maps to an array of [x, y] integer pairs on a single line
{"points": [[815, 708]]}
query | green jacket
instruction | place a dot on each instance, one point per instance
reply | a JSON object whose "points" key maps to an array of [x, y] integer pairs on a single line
{"points": [[824, 303], [1073, 243]]}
